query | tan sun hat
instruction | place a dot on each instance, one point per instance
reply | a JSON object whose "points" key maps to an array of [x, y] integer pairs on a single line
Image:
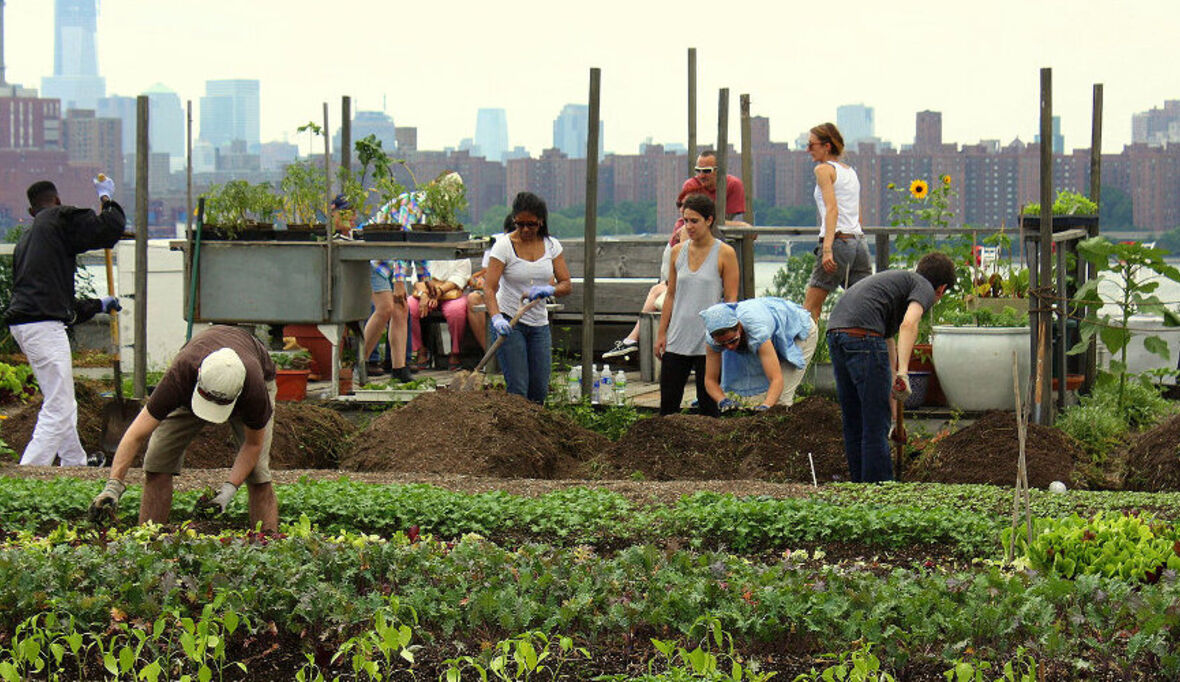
{"points": [[219, 382]]}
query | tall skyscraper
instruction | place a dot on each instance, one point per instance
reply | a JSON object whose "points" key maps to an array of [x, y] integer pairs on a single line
{"points": [[230, 111], [491, 134], [122, 108], [75, 80], [1058, 138], [569, 131], [165, 121], [855, 122], [366, 123], [928, 131]]}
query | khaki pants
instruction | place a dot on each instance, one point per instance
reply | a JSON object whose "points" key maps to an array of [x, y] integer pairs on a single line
{"points": [[165, 451]]}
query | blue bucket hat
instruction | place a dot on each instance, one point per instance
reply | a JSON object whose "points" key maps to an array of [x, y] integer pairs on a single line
{"points": [[720, 316]]}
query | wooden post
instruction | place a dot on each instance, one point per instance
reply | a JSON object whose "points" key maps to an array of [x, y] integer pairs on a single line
{"points": [[747, 158], [692, 110], [1091, 360], [882, 252], [188, 180], [591, 235], [721, 172], [139, 383], [346, 138], [1044, 406]]}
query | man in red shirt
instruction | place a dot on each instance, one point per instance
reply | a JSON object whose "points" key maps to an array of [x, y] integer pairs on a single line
{"points": [[705, 182]]}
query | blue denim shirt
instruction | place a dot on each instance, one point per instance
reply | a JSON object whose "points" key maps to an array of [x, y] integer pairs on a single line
{"points": [[763, 319]]}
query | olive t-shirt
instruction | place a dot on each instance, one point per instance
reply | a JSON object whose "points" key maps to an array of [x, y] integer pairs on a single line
{"points": [[176, 387], [879, 302]]}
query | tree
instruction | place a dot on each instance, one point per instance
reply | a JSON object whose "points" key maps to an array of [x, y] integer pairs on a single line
{"points": [[781, 216], [1116, 210]]}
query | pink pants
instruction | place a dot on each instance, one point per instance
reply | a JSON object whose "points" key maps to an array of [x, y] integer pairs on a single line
{"points": [[454, 310]]}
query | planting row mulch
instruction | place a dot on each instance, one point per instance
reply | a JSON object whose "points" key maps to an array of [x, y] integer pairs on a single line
{"points": [[773, 446], [477, 433], [306, 436], [987, 452]]}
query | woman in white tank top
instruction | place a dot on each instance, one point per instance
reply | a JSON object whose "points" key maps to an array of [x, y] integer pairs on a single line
{"points": [[842, 254]]}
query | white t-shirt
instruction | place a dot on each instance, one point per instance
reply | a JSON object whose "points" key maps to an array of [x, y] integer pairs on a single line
{"points": [[455, 271], [488, 253], [520, 274]]}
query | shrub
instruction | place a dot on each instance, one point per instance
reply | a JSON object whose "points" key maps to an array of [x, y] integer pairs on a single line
{"points": [[1099, 423]]}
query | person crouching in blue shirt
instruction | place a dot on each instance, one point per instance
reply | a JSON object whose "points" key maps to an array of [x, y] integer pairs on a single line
{"points": [[757, 347]]}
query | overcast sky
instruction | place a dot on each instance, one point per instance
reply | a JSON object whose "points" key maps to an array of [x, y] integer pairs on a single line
{"points": [[436, 63]]}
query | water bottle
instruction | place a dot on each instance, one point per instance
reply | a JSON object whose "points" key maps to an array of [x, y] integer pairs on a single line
{"points": [[606, 391], [620, 388], [573, 384], [594, 389]]}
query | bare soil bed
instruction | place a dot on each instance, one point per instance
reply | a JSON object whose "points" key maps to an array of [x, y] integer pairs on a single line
{"points": [[306, 436], [987, 452], [1153, 459]]}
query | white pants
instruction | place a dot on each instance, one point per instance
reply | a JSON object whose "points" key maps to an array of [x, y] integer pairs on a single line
{"points": [[47, 347]]}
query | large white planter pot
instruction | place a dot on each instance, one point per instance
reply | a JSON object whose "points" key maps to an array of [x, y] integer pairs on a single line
{"points": [[974, 365], [822, 378]]}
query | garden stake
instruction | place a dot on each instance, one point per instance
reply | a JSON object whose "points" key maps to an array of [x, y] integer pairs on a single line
{"points": [[814, 483], [1021, 489]]}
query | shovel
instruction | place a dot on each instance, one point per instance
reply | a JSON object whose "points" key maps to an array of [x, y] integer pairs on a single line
{"points": [[473, 381], [120, 412]]}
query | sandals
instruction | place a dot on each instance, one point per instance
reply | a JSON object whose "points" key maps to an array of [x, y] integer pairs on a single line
{"points": [[422, 359], [453, 363]]}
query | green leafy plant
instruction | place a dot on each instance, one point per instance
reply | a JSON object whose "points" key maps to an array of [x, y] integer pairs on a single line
{"points": [[238, 204], [1005, 317], [611, 421], [444, 199], [857, 665], [919, 204], [1132, 547], [523, 657], [1021, 668], [1067, 203], [1125, 270], [16, 382], [299, 359], [304, 193]]}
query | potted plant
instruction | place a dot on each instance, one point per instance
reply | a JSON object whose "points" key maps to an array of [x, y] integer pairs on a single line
{"points": [[394, 391], [442, 200], [304, 201], [972, 353], [995, 283], [1070, 209], [291, 374], [240, 210]]}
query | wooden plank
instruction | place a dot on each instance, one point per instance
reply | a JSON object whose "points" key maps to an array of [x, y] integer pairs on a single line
{"points": [[623, 258], [611, 296]]}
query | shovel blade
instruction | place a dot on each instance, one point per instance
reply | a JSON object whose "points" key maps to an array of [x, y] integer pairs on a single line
{"points": [[117, 415]]}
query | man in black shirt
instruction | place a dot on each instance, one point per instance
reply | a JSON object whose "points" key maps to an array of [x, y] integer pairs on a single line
{"points": [[43, 305], [870, 366]]}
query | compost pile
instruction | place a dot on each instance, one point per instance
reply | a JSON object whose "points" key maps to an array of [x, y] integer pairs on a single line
{"points": [[476, 433], [987, 451], [1153, 460], [306, 436], [770, 446]]}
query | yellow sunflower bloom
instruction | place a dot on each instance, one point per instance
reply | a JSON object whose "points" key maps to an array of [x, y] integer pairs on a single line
{"points": [[889, 186], [946, 179], [919, 189]]}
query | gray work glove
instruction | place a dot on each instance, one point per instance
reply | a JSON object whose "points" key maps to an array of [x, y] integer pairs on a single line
{"points": [[104, 504], [110, 303], [219, 502], [104, 186]]}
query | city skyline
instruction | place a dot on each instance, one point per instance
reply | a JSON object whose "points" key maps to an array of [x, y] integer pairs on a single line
{"points": [[897, 60]]}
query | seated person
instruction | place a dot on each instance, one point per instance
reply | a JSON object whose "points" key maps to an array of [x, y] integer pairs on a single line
{"points": [[443, 291], [757, 347]]}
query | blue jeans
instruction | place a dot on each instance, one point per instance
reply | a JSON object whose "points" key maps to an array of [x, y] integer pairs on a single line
{"points": [[526, 358], [864, 380]]}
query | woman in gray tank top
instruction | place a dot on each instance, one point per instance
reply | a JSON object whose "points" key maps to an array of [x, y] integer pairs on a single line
{"points": [[704, 271]]}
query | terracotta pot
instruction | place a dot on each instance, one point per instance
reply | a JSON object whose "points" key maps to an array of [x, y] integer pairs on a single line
{"points": [[344, 385], [308, 336], [292, 384]]}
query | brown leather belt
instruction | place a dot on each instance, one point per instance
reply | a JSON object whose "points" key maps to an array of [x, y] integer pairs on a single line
{"points": [[857, 332], [842, 236]]}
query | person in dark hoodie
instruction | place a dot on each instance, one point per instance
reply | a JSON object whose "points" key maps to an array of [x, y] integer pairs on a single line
{"points": [[43, 306]]}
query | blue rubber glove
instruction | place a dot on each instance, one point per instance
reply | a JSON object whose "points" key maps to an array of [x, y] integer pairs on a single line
{"points": [[500, 324], [104, 187], [110, 303], [727, 404], [762, 408], [539, 291]]}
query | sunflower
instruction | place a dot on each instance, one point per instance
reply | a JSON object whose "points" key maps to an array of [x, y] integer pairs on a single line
{"points": [[919, 189], [946, 180]]}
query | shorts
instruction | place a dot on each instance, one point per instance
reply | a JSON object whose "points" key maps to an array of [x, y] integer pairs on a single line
{"points": [[165, 450], [852, 264], [382, 277]]}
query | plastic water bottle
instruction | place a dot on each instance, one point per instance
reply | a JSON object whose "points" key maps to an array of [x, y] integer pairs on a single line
{"points": [[597, 381], [620, 388], [573, 384], [606, 388]]}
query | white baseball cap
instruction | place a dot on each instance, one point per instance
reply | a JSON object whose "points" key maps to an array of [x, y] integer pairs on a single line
{"points": [[219, 382]]}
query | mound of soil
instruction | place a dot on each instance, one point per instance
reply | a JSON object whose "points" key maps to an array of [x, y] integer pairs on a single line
{"points": [[306, 436], [987, 452], [477, 433], [770, 446], [1153, 460]]}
